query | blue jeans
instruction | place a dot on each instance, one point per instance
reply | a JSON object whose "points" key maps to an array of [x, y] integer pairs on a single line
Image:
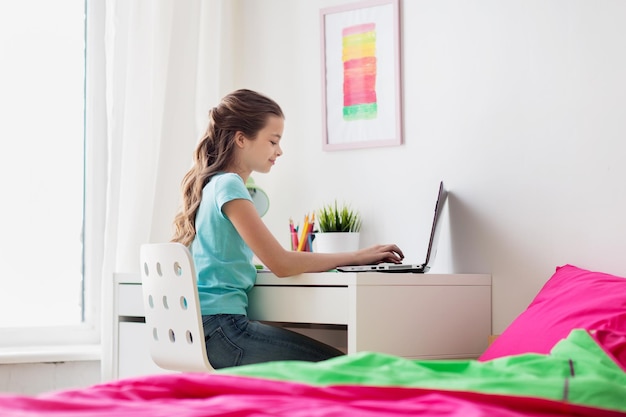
{"points": [[233, 339]]}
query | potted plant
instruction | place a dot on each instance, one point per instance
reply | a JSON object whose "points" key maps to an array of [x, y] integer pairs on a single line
{"points": [[339, 228]]}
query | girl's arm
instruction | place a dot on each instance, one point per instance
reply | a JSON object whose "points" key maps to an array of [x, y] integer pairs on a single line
{"points": [[282, 262]]}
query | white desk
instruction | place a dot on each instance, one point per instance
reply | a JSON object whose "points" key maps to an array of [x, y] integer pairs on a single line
{"points": [[425, 316]]}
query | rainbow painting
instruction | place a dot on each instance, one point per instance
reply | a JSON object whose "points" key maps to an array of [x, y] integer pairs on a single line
{"points": [[359, 72]]}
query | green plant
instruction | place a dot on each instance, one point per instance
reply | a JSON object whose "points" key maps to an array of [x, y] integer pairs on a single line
{"points": [[335, 218]]}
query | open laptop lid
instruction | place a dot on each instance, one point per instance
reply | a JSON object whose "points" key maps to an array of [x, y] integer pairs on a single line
{"points": [[436, 229], [430, 253]]}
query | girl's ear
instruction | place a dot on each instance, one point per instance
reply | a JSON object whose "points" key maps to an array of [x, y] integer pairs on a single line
{"points": [[240, 139]]}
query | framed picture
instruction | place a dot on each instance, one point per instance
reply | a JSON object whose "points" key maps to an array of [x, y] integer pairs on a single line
{"points": [[361, 101]]}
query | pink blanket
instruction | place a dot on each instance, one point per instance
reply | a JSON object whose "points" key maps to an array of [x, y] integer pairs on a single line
{"points": [[195, 395], [583, 376]]}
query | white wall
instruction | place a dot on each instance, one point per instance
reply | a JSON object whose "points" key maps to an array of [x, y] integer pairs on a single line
{"points": [[517, 105]]}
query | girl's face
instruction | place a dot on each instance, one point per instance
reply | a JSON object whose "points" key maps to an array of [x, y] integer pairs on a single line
{"points": [[259, 154]]}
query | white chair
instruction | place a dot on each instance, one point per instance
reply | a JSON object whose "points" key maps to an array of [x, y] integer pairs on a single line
{"points": [[172, 308]]}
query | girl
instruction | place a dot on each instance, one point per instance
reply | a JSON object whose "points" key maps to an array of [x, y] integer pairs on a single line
{"points": [[220, 224]]}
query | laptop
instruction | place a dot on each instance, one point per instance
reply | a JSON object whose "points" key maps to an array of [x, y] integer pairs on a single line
{"points": [[430, 253]]}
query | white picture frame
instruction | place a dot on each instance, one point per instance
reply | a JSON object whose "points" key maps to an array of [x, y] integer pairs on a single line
{"points": [[360, 68]]}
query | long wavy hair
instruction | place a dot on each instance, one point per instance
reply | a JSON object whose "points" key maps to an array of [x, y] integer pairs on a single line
{"points": [[243, 111]]}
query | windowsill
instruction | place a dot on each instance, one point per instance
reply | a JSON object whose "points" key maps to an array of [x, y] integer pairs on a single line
{"points": [[42, 354]]}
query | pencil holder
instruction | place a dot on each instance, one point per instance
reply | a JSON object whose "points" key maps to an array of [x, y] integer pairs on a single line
{"points": [[307, 246]]}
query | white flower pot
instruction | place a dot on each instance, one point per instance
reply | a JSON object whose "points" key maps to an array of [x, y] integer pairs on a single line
{"points": [[333, 242]]}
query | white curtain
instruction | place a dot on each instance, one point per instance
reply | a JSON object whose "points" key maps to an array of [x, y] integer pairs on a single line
{"points": [[164, 65]]}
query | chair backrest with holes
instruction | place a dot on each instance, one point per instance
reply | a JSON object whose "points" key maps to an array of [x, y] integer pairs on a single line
{"points": [[172, 308]]}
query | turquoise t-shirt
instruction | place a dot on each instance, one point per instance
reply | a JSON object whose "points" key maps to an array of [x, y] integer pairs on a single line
{"points": [[222, 259]]}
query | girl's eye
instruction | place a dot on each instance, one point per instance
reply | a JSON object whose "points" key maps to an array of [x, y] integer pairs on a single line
{"points": [[273, 143]]}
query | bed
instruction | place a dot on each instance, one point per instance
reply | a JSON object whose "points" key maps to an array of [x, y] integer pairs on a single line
{"points": [[569, 360]]}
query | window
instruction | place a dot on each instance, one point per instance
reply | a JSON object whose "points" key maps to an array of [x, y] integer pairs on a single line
{"points": [[42, 154]]}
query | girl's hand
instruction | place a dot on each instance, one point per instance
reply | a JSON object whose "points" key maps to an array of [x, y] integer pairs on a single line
{"points": [[379, 254]]}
